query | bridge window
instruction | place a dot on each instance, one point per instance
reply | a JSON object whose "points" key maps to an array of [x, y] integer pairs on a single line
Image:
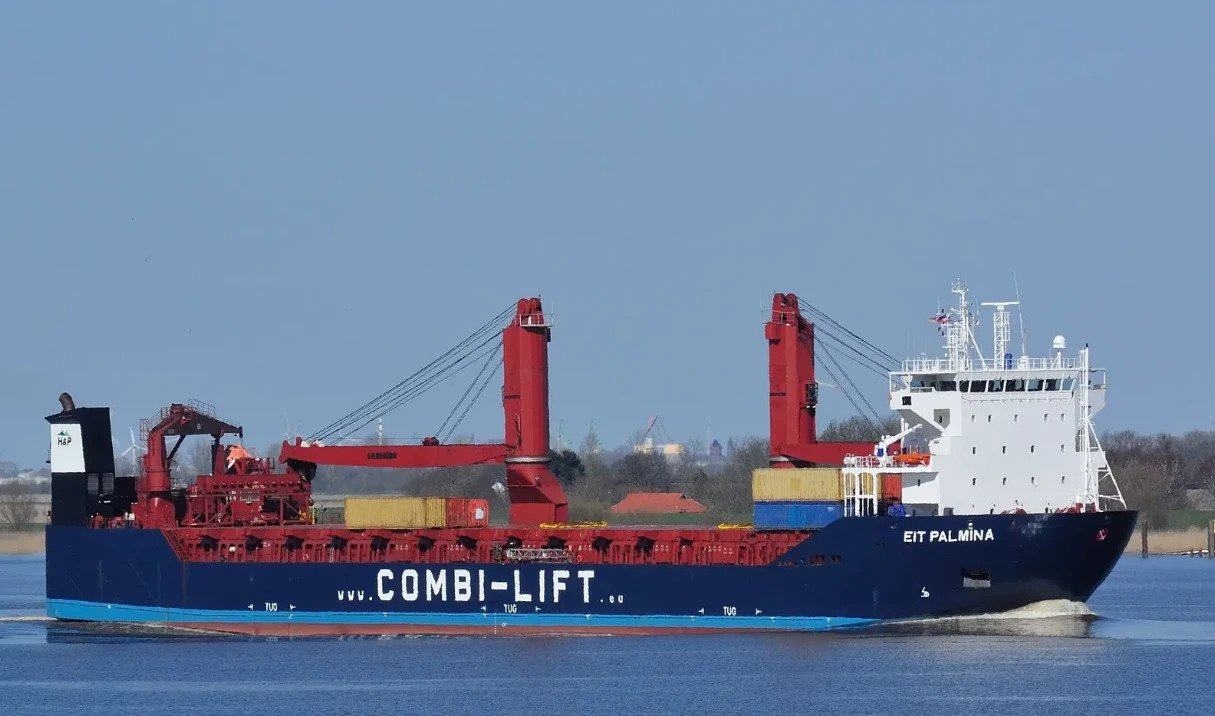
{"points": [[995, 386], [1034, 384], [978, 386], [1068, 383], [1015, 385], [964, 386], [1052, 383]]}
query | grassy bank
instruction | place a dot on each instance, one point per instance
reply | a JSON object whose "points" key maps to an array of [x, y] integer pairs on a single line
{"points": [[22, 542], [1170, 541]]}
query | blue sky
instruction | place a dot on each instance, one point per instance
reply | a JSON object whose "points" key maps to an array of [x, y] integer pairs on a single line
{"points": [[283, 208]]}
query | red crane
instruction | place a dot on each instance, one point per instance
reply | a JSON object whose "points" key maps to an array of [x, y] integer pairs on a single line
{"points": [[535, 494], [155, 504], [793, 392]]}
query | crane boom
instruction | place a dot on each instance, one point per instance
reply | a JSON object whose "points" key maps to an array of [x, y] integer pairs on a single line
{"points": [[535, 494]]}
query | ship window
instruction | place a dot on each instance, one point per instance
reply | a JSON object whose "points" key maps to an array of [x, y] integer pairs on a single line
{"points": [[973, 481], [917, 482], [964, 386], [1068, 383], [973, 449], [1017, 385], [1062, 416], [1004, 481], [972, 417], [1033, 480], [1016, 418], [941, 416], [947, 385], [906, 400], [978, 386], [1031, 448], [1052, 383], [1045, 417], [1034, 384], [1063, 479], [995, 386], [1062, 448], [989, 418], [1003, 449]]}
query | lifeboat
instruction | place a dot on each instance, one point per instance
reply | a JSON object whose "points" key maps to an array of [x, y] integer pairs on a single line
{"points": [[912, 458]]}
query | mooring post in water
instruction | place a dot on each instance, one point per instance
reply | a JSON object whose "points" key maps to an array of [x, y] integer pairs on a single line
{"points": [[1143, 536], [1211, 541]]}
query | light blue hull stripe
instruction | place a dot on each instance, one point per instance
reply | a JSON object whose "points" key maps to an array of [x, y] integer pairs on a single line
{"points": [[97, 612]]}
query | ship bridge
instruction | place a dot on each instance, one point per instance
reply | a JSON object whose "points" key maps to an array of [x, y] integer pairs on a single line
{"points": [[990, 435]]}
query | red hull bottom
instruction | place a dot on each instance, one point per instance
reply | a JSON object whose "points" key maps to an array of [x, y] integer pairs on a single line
{"points": [[291, 630]]}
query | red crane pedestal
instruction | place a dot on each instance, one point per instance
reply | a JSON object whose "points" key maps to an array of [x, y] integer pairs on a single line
{"points": [[793, 392]]}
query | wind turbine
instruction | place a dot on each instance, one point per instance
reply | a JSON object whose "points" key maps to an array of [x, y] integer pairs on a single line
{"points": [[134, 451]]}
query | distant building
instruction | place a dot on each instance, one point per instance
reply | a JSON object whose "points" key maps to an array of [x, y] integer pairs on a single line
{"points": [[656, 503], [8, 469], [715, 450]]}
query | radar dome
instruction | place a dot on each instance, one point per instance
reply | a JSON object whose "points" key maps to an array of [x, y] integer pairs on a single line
{"points": [[1058, 344]]}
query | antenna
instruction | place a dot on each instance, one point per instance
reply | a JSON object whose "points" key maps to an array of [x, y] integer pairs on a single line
{"points": [[1000, 333], [1020, 313]]}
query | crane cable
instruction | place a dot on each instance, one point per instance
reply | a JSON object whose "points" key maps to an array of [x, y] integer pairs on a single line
{"points": [[432, 381], [881, 357], [417, 383], [475, 381]]}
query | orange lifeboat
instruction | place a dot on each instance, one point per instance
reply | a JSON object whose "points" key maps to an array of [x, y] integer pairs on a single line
{"points": [[912, 458]]}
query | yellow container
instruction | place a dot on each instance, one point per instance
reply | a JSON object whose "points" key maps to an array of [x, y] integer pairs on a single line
{"points": [[817, 484], [396, 512]]}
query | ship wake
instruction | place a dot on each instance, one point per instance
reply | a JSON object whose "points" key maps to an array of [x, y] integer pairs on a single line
{"points": [[1053, 617]]}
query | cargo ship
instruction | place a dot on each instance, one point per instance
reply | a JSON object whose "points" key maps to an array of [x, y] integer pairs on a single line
{"points": [[995, 494]]}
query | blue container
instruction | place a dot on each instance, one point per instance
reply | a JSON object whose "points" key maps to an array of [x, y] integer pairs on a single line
{"points": [[796, 515]]}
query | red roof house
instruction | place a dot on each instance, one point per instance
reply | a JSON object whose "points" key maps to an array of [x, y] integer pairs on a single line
{"points": [[656, 503]]}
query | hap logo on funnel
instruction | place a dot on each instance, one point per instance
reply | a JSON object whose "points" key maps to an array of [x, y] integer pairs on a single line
{"points": [[63, 438]]}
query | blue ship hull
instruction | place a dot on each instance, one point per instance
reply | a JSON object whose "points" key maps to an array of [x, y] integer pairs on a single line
{"points": [[854, 571]]}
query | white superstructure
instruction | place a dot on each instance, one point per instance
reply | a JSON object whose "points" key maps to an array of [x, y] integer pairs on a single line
{"points": [[990, 435]]}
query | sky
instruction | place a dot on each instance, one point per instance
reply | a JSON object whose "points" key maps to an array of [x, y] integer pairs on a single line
{"points": [[283, 208]]}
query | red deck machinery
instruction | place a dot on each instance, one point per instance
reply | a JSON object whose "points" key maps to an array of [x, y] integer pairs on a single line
{"points": [[535, 494], [793, 392]]}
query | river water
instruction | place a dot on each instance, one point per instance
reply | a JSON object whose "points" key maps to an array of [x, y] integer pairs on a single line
{"points": [[1146, 647]]}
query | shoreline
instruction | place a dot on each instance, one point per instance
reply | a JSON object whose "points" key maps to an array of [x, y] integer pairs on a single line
{"points": [[28, 542]]}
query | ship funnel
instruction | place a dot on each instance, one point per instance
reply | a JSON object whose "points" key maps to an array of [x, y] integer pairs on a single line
{"points": [[82, 462]]}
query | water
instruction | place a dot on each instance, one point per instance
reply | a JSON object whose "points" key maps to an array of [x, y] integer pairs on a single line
{"points": [[1148, 646]]}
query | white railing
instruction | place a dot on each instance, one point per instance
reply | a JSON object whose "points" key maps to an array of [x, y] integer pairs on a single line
{"points": [[943, 365]]}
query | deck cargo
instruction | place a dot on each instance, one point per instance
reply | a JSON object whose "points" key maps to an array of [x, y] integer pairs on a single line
{"points": [[396, 512], [892, 486], [796, 485], [795, 515]]}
